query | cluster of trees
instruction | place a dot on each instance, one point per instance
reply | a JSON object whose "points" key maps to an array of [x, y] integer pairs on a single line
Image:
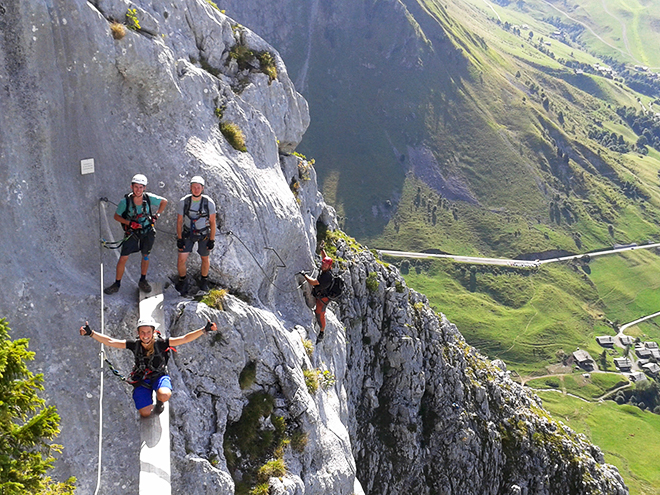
{"points": [[571, 29], [432, 204], [645, 125], [559, 209], [610, 140], [641, 81], [507, 26], [26, 426], [645, 395]]}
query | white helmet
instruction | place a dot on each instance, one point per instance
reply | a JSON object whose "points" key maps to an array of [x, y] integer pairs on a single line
{"points": [[198, 179], [139, 179], [147, 322]]}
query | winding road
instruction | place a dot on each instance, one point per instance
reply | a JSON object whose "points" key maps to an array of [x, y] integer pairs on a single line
{"points": [[509, 262]]}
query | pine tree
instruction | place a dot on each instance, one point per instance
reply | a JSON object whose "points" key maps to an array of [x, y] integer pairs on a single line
{"points": [[26, 426]]}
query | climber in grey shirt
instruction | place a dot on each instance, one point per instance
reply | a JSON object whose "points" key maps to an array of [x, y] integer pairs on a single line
{"points": [[195, 223]]}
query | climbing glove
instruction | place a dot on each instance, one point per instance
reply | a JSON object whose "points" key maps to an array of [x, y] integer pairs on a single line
{"points": [[180, 243], [134, 226], [210, 244]]}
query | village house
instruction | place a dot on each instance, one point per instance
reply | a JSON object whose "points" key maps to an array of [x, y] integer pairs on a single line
{"points": [[605, 341], [584, 360], [623, 364]]}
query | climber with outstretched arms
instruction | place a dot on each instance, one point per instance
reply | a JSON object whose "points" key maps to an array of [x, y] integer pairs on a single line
{"points": [[151, 355]]}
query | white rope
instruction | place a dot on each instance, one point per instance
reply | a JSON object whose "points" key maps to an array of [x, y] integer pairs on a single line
{"points": [[101, 354]]}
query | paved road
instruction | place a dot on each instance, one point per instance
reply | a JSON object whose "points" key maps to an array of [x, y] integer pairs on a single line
{"points": [[509, 262], [627, 325]]}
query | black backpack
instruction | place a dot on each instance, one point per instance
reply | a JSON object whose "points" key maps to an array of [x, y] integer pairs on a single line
{"points": [[335, 290]]}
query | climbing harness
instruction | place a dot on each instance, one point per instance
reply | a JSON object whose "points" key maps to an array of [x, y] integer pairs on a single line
{"points": [[203, 212], [134, 216], [150, 367]]}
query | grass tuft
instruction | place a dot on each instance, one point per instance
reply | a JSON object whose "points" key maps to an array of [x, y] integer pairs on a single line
{"points": [[215, 298], [233, 135], [118, 30], [311, 380]]}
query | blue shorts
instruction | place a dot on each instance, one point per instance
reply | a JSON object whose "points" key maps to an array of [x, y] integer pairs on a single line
{"points": [[143, 396]]}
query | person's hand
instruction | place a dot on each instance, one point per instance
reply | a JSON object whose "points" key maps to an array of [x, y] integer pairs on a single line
{"points": [[180, 243], [85, 330], [210, 244], [210, 327], [134, 226], [155, 217]]}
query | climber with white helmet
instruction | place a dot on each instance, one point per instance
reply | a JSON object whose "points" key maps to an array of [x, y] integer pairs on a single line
{"points": [[195, 223], [135, 212], [151, 353]]}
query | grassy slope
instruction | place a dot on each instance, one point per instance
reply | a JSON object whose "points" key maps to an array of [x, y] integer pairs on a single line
{"points": [[626, 435], [472, 94]]}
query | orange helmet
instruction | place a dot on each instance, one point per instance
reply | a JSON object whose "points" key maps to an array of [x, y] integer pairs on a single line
{"points": [[327, 261]]}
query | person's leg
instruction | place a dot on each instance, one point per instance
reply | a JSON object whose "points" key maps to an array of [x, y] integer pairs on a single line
{"points": [[163, 393], [181, 264], [146, 243], [163, 388], [206, 265], [144, 266], [321, 304], [121, 266], [203, 252], [143, 398]]}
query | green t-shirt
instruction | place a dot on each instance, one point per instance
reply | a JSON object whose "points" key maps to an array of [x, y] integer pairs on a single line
{"points": [[139, 213]]}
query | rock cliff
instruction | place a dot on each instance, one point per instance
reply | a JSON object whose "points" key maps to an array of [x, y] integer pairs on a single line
{"points": [[402, 402]]}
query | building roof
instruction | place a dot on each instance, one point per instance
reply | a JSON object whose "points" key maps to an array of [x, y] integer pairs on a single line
{"points": [[626, 340], [651, 345], [582, 356], [605, 340], [637, 376], [651, 368], [623, 363]]}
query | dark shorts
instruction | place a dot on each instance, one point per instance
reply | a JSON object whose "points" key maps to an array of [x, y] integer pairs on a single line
{"points": [[143, 396], [139, 243], [201, 245]]}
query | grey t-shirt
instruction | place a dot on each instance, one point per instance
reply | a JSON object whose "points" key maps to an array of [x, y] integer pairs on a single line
{"points": [[200, 223]]}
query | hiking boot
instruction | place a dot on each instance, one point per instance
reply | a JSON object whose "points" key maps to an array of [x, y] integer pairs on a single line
{"points": [[182, 287], [144, 286], [320, 336], [112, 289], [203, 285], [158, 408]]}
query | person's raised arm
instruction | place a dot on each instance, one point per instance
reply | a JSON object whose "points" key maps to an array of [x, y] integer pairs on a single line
{"points": [[195, 334], [161, 206], [103, 339]]}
